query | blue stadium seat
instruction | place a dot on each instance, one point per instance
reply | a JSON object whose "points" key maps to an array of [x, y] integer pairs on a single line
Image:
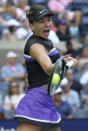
{"points": [[84, 30], [2, 27], [3, 89], [81, 1], [81, 113], [9, 114], [85, 10], [85, 20], [41, 2]]}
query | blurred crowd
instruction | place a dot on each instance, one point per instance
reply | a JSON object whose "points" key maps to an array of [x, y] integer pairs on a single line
{"points": [[71, 101]]}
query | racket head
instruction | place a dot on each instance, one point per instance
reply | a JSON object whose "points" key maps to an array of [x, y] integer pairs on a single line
{"points": [[58, 69]]}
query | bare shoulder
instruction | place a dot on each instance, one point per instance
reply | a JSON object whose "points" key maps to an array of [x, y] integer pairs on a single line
{"points": [[40, 54], [37, 46], [37, 50]]}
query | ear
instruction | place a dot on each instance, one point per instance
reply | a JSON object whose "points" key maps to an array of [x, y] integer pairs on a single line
{"points": [[32, 26]]}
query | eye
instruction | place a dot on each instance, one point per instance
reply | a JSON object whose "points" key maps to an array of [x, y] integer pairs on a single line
{"points": [[41, 21], [49, 20]]}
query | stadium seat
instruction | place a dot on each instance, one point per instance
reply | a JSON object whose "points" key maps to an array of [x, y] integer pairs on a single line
{"points": [[9, 114], [4, 89], [85, 10], [85, 20], [81, 113]]}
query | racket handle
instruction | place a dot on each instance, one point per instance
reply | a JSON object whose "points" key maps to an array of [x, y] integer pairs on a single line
{"points": [[70, 64]]}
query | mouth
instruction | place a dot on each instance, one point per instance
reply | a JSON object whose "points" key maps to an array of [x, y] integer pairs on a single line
{"points": [[46, 31]]}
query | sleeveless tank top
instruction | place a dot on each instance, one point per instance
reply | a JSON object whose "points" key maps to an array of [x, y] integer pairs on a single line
{"points": [[36, 75]]}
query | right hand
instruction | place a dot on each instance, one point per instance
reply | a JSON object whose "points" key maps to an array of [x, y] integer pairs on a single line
{"points": [[68, 58]]}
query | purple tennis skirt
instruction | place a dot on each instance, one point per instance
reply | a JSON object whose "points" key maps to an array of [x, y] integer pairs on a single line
{"points": [[37, 107]]}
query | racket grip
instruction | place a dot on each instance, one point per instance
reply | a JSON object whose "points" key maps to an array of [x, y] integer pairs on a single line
{"points": [[70, 64]]}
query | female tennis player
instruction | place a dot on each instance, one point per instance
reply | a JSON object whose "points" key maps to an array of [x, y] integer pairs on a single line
{"points": [[36, 111]]}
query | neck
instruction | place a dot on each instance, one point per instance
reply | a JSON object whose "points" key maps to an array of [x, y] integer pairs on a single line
{"points": [[10, 64], [57, 103]]}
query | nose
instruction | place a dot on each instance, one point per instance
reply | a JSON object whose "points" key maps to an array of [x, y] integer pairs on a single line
{"points": [[47, 24]]}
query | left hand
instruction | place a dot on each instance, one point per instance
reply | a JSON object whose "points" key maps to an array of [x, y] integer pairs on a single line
{"points": [[68, 58]]}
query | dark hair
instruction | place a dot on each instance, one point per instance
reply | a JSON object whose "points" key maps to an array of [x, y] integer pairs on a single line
{"points": [[33, 9], [10, 93], [68, 42], [36, 12], [11, 29]]}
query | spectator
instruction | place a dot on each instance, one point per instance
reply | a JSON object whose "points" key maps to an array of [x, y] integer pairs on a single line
{"points": [[9, 34], [84, 97], [75, 85], [82, 66], [83, 61], [59, 6], [15, 94], [1, 113], [70, 49], [21, 9], [2, 2], [74, 31], [53, 36], [78, 72], [10, 102], [84, 79], [8, 11], [20, 92], [86, 40], [23, 32], [12, 2], [62, 107], [69, 95], [1, 99], [63, 31], [12, 70]]}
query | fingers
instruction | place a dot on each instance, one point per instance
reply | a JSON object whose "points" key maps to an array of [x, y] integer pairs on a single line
{"points": [[69, 58], [75, 61], [66, 56]]}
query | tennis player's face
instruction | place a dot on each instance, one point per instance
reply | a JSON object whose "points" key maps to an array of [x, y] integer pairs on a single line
{"points": [[42, 27]]}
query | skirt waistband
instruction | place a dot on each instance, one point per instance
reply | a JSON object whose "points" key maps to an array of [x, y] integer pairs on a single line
{"points": [[39, 89]]}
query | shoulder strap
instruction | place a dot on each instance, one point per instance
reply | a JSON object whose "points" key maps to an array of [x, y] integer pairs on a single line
{"points": [[35, 39]]}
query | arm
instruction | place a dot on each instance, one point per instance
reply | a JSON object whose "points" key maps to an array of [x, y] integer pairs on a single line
{"points": [[20, 75], [8, 78], [6, 36], [39, 53]]}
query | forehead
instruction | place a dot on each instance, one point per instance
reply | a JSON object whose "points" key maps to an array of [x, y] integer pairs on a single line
{"points": [[14, 84], [10, 58], [62, 24], [45, 17]]}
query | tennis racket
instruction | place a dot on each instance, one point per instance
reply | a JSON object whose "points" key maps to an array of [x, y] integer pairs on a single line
{"points": [[59, 71]]}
